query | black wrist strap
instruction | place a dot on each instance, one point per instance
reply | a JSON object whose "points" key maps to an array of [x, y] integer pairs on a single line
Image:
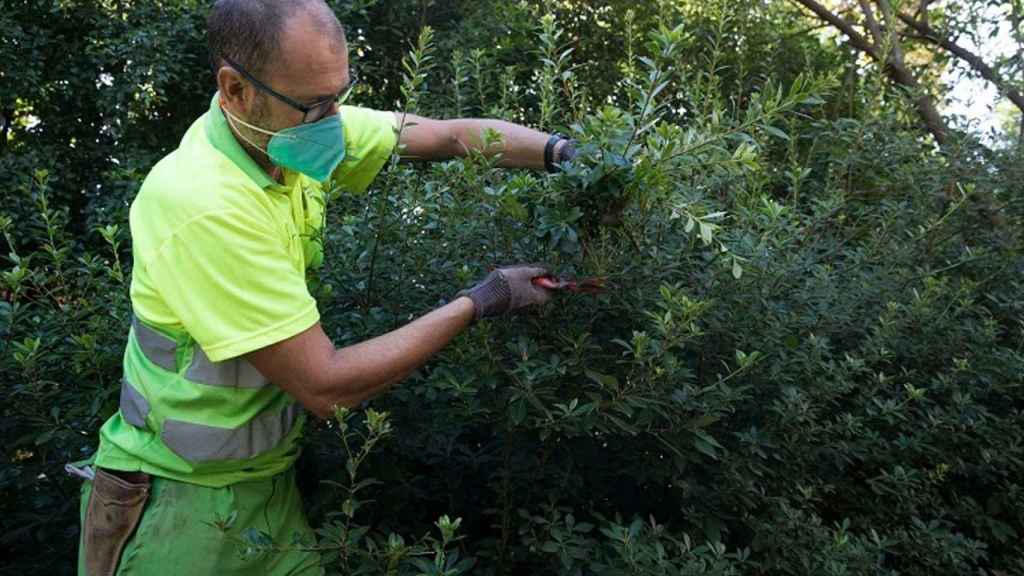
{"points": [[549, 153]]}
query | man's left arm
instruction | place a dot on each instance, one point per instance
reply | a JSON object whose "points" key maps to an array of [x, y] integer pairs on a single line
{"points": [[521, 147]]}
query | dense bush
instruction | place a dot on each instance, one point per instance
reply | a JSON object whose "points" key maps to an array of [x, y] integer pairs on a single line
{"points": [[807, 359]]}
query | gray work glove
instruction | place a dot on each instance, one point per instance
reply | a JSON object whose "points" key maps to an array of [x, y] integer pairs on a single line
{"points": [[508, 289]]}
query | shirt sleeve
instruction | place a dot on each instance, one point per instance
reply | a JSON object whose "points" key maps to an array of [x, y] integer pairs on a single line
{"points": [[370, 139], [231, 281]]}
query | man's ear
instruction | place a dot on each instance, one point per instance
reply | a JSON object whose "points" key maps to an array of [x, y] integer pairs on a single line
{"points": [[234, 90]]}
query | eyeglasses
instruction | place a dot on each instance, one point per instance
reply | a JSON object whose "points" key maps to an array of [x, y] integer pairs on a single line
{"points": [[310, 113]]}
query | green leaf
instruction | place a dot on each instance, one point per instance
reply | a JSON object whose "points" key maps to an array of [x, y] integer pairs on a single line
{"points": [[514, 208], [776, 132], [257, 538], [705, 444], [702, 421], [705, 233], [44, 437], [603, 380]]}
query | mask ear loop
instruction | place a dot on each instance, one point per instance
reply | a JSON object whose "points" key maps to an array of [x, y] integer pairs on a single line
{"points": [[232, 118], [282, 134]]}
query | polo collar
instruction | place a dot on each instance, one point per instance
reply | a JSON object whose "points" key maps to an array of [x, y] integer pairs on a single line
{"points": [[223, 139]]}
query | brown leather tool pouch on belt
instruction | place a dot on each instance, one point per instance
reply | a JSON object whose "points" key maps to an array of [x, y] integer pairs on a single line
{"points": [[115, 507]]}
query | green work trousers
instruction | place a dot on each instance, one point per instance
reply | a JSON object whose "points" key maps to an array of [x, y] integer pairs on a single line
{"points": [[175, 534]]}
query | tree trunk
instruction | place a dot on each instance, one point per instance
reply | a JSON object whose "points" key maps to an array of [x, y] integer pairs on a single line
{"points": [[923, 101]]}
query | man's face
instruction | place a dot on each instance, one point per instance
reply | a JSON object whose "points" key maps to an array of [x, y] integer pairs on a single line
{"points": [[310, 68]]}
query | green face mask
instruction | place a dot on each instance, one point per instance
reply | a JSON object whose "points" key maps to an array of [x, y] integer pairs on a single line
{"points": [[314, 149]]}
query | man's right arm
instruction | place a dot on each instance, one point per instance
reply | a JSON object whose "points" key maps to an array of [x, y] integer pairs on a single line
{"points": [[318, 375]]}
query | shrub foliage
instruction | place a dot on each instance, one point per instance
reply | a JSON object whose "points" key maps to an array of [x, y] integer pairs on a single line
{"points": [[807, 358]]}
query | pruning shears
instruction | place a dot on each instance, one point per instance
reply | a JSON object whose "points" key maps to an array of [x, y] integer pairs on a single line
{"points": [[584, 286]]}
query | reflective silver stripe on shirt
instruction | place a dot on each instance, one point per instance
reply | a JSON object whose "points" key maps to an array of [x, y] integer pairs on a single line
{"points": [[158, 348], [202, 443], [236, 373], [134, 407]]}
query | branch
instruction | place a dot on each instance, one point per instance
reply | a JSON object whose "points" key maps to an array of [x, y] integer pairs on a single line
{"points": [[6, 119], [922, 11], [892, 63], [975, 61], [890, 25], [857, 40], [869, 16], [842, 12], [1015, 19]]}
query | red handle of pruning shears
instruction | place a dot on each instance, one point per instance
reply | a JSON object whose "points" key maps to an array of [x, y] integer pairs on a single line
{"points": [[585, 286]]}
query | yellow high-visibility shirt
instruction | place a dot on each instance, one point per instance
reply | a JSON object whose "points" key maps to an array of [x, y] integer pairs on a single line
{"points": [[221, 253]]}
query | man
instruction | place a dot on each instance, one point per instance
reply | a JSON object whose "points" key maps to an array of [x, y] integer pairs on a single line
{"points": [[226, 351]]}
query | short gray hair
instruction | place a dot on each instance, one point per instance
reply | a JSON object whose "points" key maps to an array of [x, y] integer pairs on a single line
{"points": [[249, 31]]}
